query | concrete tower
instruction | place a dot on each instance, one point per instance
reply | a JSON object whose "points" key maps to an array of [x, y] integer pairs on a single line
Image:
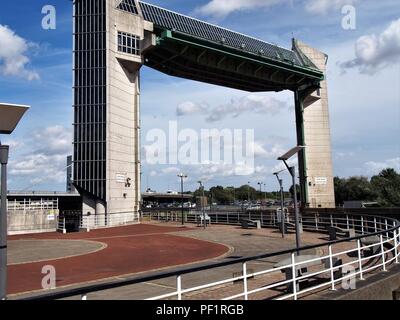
{"points": [[108, 58], [316, 170]]}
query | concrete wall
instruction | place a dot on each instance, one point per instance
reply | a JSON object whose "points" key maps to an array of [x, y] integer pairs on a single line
{"points": [[32, 221], [317, 135], [378, 287], [123, 111]]}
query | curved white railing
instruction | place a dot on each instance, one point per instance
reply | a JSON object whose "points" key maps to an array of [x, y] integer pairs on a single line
{"points": [[380, 235], [375, 247]]}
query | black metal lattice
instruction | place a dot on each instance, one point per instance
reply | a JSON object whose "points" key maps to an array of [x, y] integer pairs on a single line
{"points": [[177, 22], [129, 6]]}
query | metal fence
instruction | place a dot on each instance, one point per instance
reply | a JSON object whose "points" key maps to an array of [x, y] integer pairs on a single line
{"points": [[108, 220], [374, 248], [90, 222]]}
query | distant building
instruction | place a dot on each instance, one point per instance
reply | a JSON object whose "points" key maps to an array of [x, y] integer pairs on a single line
{"points": [[70, 187]]}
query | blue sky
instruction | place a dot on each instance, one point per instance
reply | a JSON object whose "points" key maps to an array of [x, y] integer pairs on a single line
{"points": [[363, 76]]}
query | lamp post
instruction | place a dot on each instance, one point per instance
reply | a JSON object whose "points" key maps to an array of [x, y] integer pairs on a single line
{"points": [[265, 193], [10, 115], [182, 176], [260, 184], [202, 205], [248, 191], [280, 181], [292, 171]]}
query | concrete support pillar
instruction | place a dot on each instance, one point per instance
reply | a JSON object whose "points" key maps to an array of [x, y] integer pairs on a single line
{"points": [[88, 205], [313, 132], [299, 110]]}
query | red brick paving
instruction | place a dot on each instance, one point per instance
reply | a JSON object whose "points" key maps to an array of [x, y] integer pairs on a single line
{"points": [[130, 249]]}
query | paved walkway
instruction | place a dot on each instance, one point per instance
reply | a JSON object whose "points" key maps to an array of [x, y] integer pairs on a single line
{"points": [[26, 251], [125, 250], [155, 245]]}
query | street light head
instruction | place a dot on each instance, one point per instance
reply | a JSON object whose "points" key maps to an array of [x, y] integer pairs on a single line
{"points": [[181, 175], [291, 153], [4, 154], [278, 172], [10, 115]]}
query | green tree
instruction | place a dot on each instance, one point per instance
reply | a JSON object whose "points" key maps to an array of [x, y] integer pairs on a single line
{"points": [[387, 186]]}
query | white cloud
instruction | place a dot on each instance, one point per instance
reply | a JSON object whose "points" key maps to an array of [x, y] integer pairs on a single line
{"points": [[45, 159], [251, 103], [53, 140], [264, 152], [222, 8], [325, 6], [376, 167], [14, 144], [153, 173], [376, 52], [343, 155], [170, 170], [190, 108], [13, 55]]}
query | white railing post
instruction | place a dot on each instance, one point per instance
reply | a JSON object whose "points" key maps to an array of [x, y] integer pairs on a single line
{"points": [[386, 227], [64, 229], [362, 225], [262, 219], [396, 243], [383, 254], [347, 222], [375, 227], [294, 276], [331, 267], [245, 289], [359, 259], [316, 221], [179, 287], [331, 220]]}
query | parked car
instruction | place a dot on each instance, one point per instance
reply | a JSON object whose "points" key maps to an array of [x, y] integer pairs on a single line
{"points": [[254, 207]]}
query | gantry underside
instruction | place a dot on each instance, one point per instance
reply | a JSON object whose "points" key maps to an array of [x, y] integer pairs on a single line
{"points": [[183, 56]]}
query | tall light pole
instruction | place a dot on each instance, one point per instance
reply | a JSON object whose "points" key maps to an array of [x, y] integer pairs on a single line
{"points": [[292, 171], [248, 191], [182, 176], [10, 115], [280, 181], [265, 192], [260, 184], [202, 205]]}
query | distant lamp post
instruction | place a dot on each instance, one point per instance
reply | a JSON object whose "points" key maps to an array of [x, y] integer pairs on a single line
{"points": [[292, 171], [202, 205], [248, 191], [265, 192], [260, 184], [10, 115], [182, 176], [280, 181]]}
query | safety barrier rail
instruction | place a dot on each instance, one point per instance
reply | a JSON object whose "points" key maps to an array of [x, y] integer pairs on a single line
{"points": [[375, 247], [89, 222], [61, 225]]}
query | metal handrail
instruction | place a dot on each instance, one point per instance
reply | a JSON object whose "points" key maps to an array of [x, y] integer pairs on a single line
{"points": [[394, 229]]}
